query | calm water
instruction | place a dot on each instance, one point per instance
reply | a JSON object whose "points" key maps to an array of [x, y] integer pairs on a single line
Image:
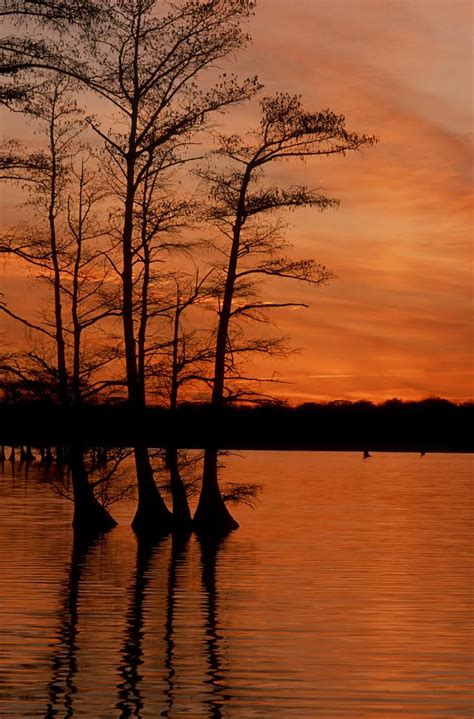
{"points": [[346, 593]]}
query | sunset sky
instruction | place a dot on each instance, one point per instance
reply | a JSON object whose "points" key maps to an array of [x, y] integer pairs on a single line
{"points": [[397, 320]]}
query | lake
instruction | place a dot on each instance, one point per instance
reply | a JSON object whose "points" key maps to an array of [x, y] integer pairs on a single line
{"points": [[346, 593]]}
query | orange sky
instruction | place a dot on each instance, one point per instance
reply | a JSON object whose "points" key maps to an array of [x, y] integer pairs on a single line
{"points": [[397, 320]]}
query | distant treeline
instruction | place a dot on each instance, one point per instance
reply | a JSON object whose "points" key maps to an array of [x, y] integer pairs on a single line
{"points": [[430, 425]]}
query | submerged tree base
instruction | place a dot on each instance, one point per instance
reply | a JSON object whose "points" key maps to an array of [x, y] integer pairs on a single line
{"points": [[152, 518], [212, 521], [89, 515], [212, 516], [182, 526], [182, 520], [91, 519]]}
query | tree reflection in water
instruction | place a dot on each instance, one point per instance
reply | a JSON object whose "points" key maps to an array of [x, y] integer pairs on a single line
{"points": [[214, 641], [214, 679], [62, 687], [179, 548], [132, 699]]}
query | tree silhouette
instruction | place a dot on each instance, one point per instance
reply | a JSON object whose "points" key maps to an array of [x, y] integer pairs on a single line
{"points": [[254, 250], [55, 248], [145, 75], [142, 61]]}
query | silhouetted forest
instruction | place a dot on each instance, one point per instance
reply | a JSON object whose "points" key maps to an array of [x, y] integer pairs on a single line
{"points": [[431, 425]]}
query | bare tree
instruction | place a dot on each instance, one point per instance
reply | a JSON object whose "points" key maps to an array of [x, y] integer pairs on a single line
{"points": [[144, 63], [157, 59], [56, 250], [242, 201], [89, 286], [60, 241]]}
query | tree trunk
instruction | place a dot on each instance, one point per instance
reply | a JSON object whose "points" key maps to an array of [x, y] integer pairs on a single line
{"points": [[76, 324], [89, 515], [152, 517], [127, 299], [181, 512], [52, 210], [212, 516]]}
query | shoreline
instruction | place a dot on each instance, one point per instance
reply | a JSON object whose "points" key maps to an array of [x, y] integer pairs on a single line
{"points": [[428, 426]]}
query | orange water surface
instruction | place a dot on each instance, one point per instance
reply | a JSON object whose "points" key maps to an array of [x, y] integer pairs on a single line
{"points": [[346, 593]]}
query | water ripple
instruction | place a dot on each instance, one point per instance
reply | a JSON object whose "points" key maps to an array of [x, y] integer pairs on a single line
{"points": [[346, 594]]}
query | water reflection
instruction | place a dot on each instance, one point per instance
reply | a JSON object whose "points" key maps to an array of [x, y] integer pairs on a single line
{"points": [[133, 665], [62, 687], [359, 608], [214, 641], [171, 562], [130, 699], [179, 547]]}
